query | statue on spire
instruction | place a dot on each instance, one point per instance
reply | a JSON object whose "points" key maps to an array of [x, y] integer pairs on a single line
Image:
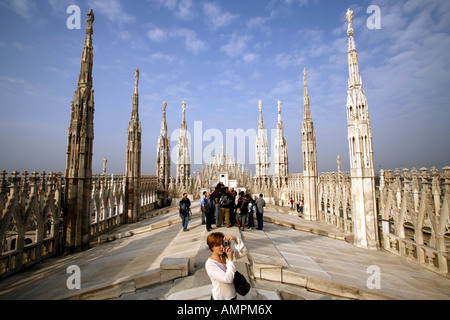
{"points": [[90, 20], [136, 78], [349, 17], [279, 106], [304, 77]]}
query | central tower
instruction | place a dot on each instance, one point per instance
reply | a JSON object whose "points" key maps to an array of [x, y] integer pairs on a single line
{"points": [[361, 153], [80, 139]]}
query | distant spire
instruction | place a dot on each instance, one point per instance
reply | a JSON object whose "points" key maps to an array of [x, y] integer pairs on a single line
{"points": [[307, 110], [261, 121], [353, 64], [280, 122], [164, 122], [87, 58], [183, 121], [135, 109]]}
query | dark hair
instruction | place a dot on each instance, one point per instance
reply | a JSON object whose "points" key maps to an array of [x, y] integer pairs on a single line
{"points": [[261, 195]]}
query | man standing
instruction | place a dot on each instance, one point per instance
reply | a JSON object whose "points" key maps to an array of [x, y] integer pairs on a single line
{"points": [[224, 211], [208, 209], [185, 210], [260, 204]]}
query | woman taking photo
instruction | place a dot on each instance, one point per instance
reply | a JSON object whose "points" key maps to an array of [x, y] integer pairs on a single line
{"points": [[220, 266]]}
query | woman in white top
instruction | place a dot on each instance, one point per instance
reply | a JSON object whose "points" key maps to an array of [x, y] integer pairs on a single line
{"points": [[220, 266]]}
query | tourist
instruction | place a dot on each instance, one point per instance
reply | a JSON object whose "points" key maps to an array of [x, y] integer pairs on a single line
{"points": [[207, 206], [260, 204], [185, 211], [292, 203], [233, 194], [251, 212], [243, 207], [220, 265], [201, 201], [224, 210], [215, 198], [300, 213]]}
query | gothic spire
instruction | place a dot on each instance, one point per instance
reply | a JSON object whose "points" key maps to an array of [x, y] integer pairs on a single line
{"points": [[164, 122], [135, 109], [307, 111], [353, 65], [183, 121], [261, 121], [87, 58]]}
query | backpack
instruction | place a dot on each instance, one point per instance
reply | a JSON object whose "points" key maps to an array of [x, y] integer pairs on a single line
{"points": [[224, 200]]}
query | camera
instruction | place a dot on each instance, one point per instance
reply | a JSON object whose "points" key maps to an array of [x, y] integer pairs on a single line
{"points": [[226, 244]]}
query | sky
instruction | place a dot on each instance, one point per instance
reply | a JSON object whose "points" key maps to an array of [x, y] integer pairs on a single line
{"points": [[222, 57]]}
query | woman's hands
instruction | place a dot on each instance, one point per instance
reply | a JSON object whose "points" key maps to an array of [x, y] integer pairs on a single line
{"points": [[229, 253], [230, 238]]}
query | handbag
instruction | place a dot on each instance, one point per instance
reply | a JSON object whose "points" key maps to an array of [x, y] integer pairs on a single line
{"points": [[240, 283]]}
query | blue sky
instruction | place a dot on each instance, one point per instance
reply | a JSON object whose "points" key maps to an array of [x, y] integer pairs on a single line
{"points": [[222, 57]]}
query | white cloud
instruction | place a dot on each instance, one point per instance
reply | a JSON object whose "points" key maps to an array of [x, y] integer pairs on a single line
{"points": [[191, 42], [113, 10], [181, 9], [236, 46], [250, 57], [23, 8], [216, 17], [157, 35], [286, 60]]}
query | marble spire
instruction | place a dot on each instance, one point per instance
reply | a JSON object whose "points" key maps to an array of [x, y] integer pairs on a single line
{"points": [[361, 151]]}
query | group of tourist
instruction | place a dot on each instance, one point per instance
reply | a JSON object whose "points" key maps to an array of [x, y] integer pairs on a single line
{"points": [[225, 207], [230, 208]]}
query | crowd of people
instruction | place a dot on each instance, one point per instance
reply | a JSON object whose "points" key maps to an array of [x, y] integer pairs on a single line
{"points": [[225, 207]]}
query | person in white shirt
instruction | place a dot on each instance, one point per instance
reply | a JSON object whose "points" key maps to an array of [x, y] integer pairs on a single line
{"points": [[220, 266]]}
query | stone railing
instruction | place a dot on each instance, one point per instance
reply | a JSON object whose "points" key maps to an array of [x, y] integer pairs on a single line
{"points": [[334, 191], [149, 193], [30, 207], [295, 185], [414, 206], [107, 203]]}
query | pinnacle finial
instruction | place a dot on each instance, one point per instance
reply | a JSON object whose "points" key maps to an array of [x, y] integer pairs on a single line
{"points": [[136, 78], [304, 77], [90, 20], [349, 18]]}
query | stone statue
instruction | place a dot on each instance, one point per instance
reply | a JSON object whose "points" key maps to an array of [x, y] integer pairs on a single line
{"points": [[279, 106], [304, 76], [183, 105], [349, 17], [164, 106], [104, 165], [260, 106], [136, 78], [90, 19], [339, 163]]}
